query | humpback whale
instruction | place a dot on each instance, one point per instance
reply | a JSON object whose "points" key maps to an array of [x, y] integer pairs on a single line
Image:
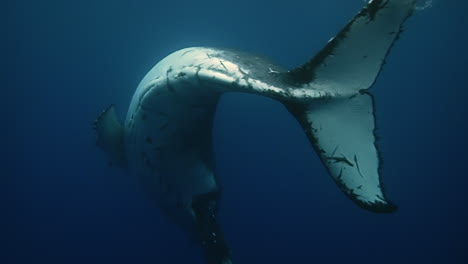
{"points": [[166, 138]]}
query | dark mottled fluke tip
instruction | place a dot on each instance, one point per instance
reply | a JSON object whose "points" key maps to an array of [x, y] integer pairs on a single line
{"points": [[306, 73], [372, 9]]}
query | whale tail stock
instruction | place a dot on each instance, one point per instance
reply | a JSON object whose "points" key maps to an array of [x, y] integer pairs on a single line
{"points": [[341, 124]]}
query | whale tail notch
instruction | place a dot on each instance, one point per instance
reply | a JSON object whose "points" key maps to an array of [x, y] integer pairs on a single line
{"points": [[342, 127], [110, 136]]}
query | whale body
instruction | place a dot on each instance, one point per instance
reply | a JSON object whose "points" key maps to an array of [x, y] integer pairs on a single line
{"points": [[166, 137]]}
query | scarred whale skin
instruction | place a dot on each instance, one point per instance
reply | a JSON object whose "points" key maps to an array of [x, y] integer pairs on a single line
{"points": [[165, 140]]}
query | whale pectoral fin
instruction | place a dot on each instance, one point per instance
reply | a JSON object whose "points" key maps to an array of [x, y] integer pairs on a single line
{"points": [[215, 248], [342, 133], [352, 60], [110, 136]]}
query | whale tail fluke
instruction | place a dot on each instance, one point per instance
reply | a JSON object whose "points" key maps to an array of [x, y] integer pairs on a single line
{"points": [[110, 136], [341, 124], [352, 60], [342, 133]]}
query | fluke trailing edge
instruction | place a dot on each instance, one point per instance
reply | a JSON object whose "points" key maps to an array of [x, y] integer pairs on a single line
{"points": [[166, 138]]}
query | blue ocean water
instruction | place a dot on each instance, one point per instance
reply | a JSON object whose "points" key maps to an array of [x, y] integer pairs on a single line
{"points": [[67, 60]]}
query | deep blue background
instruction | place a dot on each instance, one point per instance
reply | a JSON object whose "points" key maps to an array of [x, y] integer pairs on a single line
{"points": [[67, 60]]}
